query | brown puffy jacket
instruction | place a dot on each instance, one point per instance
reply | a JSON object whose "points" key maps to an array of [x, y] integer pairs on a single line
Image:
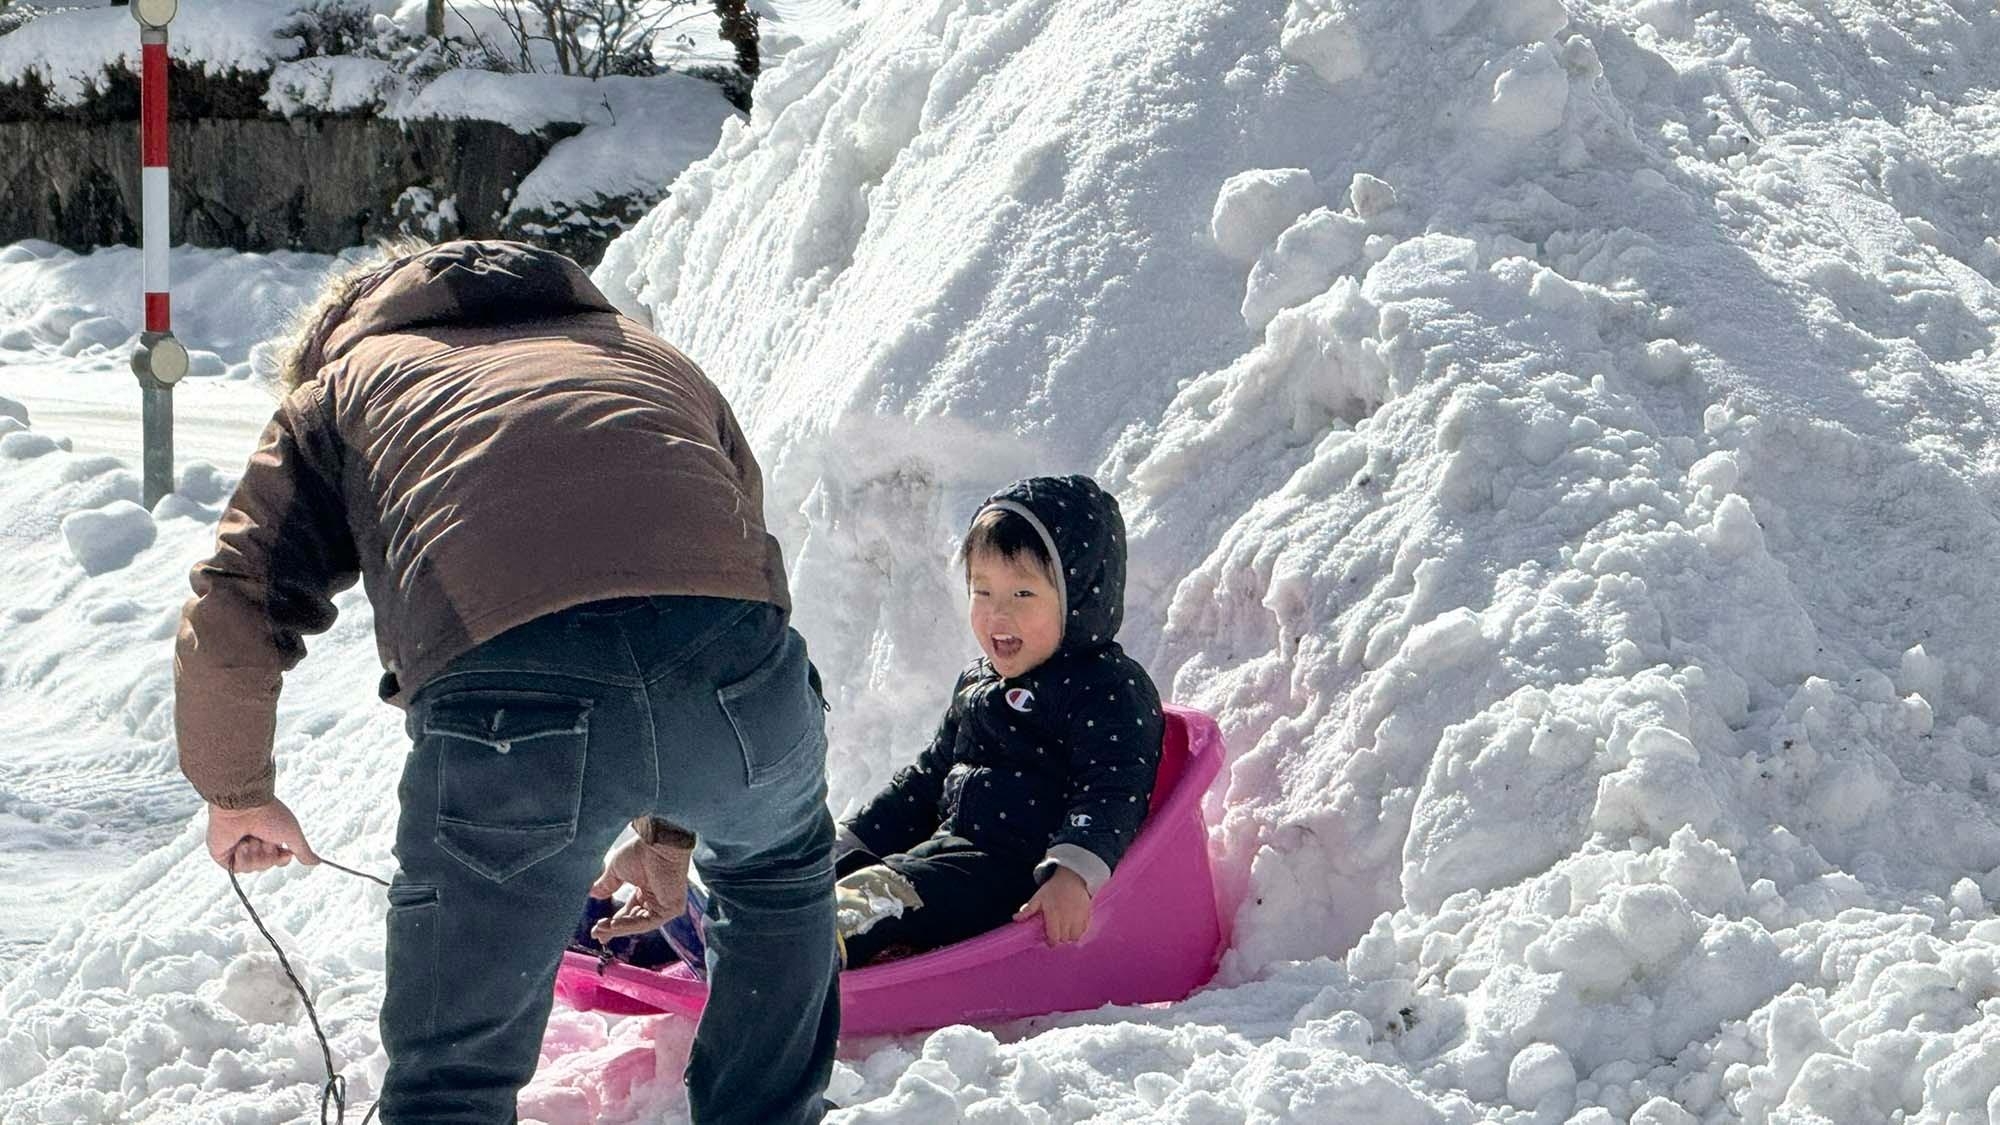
{"points": [[487, 441]]}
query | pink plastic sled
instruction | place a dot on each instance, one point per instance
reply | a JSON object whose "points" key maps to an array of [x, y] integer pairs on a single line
{"points": [[1155, 934]]}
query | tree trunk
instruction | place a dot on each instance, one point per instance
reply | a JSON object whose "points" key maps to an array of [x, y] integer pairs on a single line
{"points": [[739, 27], [434, 19]]}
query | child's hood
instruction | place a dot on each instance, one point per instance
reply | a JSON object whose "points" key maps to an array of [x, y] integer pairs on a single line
{"points": [[1080, 523]]}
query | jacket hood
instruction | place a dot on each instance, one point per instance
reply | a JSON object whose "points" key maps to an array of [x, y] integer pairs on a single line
{"points": [[460, 283], [1081, 523]]}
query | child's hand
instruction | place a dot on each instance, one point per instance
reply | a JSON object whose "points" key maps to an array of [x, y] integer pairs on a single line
{"points": [[1064, 904]]}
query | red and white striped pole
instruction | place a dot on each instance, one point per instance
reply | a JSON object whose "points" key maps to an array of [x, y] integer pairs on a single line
{"points": [[161, 361]]}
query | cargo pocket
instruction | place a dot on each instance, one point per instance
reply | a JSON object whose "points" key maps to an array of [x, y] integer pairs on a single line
{"points": [[777, 714], [510, 776], [409, 1004]]}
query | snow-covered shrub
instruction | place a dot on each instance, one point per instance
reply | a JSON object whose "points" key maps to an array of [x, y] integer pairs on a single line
{"points": [[329, 27], [592, 38], [13, 16]]}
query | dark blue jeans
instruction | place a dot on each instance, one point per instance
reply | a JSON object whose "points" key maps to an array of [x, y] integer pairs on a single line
{"points": [[531, 752]]}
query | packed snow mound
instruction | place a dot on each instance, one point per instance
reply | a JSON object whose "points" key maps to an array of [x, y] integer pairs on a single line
{"points": [[228, 307], [1556, 444], [107, 538], [1555, 441]]}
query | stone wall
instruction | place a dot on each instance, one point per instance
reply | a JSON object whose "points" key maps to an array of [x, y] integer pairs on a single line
{"points": [[260, 184], [249, 180]]}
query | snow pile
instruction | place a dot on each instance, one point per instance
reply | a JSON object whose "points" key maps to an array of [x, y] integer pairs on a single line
{"points": [[1555, 444], [90, 306], [1554, 447]]}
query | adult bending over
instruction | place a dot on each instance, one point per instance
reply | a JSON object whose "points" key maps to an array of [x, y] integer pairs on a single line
{"points": [[560, 527]]}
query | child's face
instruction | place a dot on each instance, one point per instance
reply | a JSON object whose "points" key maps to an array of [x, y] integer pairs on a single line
{"points": [[1015, 614]]}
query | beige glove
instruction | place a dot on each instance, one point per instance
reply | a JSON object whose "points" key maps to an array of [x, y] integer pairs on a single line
{"points": [[869, 895]]}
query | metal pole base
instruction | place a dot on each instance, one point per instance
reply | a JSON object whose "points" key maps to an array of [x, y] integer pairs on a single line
{"points": [[159, 362], [158, 410]]}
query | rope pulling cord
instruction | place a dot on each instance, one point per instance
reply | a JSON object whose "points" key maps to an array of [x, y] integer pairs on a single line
{"points": [[333, 1095]]}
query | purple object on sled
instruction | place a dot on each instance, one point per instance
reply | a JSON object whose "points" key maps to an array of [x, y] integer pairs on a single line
{"points": [[1156, 933]]}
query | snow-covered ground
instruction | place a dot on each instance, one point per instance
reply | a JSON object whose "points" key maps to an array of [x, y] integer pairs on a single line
{"points": [[1558, 445]]}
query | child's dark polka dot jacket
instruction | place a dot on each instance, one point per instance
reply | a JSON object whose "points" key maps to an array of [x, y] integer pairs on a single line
{"points": [[1057, 764]]}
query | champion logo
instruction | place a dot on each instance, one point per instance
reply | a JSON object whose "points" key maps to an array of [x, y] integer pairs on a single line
{"points": [[1079, 820], [1021, 699]]}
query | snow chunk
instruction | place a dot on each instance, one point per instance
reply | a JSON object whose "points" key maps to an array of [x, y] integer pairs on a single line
{"points": [[1530, 93], [1304, 262], [95, 332], [202, 483], [1668, 17], [1538, 1071], [1370, 197], [1321, 34], [1529, 21], [1663, 361], [24, 445], [1655, 923], [1663, 1111], [107, 538], [1256, 206], [1716, 472], [205, 364], [52, 322], [1653, 796], [1921, 674], [1735, 531], [255, 987], [640, 134]]}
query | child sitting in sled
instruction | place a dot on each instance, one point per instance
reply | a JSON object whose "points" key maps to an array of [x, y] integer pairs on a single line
{"points": [[1041, 770], [1036, 782]]}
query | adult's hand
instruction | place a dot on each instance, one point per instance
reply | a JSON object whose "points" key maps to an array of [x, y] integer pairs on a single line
{"points": [[256, 838], [659, 875]]}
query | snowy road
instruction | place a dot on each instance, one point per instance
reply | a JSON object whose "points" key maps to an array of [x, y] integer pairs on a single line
{"points": [[77, 805], [95, 403], [72, 814]]}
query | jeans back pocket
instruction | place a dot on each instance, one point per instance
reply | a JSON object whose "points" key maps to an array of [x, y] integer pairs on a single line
{"points": [[776, 712], [510, 775]]}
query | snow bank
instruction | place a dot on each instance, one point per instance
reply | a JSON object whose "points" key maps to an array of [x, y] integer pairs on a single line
{"points": [[54, 300], [1551, 450], [638, 133], [1554, 440], [69, 50]]}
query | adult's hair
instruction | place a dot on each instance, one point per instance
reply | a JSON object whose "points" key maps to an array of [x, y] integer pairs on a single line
{"points": [[298, 355]]}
